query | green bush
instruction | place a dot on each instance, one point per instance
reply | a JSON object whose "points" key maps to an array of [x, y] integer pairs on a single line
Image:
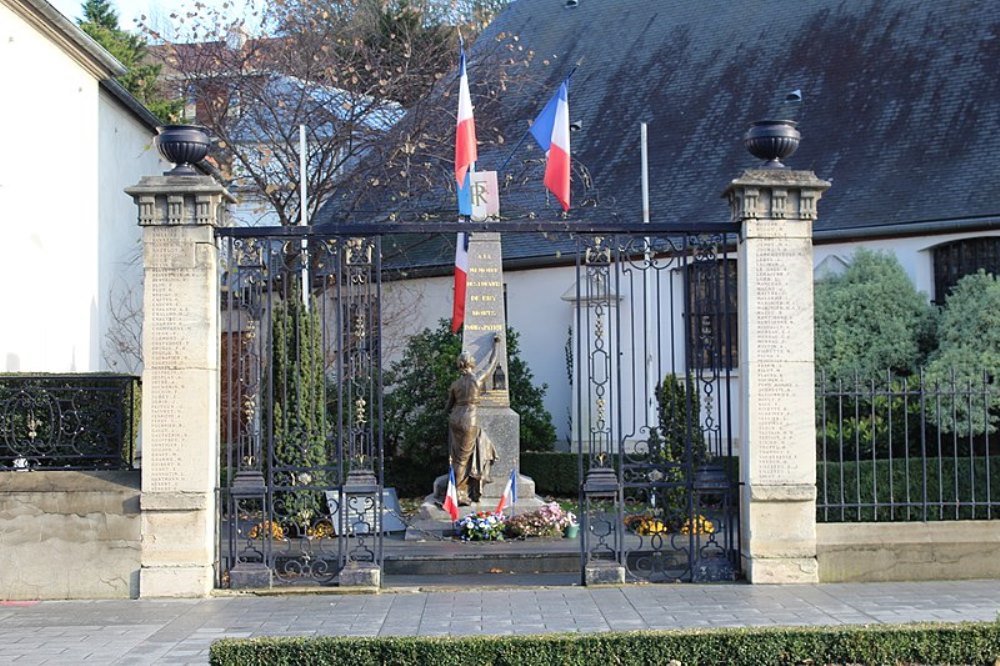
{"points": [[949, 481], [971, 643], [554, 473], [416, 421], [871, 318], [969, 345]]}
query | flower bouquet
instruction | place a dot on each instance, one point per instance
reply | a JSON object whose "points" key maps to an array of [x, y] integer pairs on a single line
{"points": [[550, 520], [482, 526]]}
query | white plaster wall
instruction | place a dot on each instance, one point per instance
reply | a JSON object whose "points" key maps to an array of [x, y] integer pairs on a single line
{"points": [[125, 153], [48, 200], [68, 226]]}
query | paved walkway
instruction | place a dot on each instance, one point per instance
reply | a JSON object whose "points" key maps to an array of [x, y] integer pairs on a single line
{"points": [[179, 632]]}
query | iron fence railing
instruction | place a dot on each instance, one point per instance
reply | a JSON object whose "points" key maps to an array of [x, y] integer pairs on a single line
{"points": [[68, 422], [917, 448]]}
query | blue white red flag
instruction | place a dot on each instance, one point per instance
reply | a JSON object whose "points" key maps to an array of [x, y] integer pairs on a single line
{"points": [[509, 497], [465, 128], [451, 497], [461, 277], [551, 131], [465, 195]]}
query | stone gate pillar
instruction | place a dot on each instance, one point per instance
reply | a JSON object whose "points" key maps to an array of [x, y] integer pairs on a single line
{"points": [[776, 208], [180, 379]]}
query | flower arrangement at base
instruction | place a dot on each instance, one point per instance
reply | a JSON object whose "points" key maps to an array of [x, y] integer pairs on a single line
{"points": [[482, 526], [260, 529], [700, 525], [646, 525], [549, 521], [321, 530]]}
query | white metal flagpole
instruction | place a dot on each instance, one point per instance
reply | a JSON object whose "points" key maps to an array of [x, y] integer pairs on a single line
{"points": [[304, 214], [647, 288]]}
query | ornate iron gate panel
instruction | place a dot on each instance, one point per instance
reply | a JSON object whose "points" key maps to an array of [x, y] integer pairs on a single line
{"points": [[300, 406], [655, 335]]}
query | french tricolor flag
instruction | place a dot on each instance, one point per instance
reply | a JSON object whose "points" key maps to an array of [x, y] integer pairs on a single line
{"points": [[509, 497], [551, 131], [451, 497], [461, 277], [465, 129]]}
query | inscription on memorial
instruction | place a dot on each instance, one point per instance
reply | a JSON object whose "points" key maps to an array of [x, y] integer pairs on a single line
{"points": [[777, 373], [484, 306]]}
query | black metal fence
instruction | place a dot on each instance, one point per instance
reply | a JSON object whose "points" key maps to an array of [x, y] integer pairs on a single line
{"points": [[68, 422], [916, 448]]}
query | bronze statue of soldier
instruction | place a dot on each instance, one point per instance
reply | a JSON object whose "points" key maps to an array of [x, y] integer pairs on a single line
{"points": [[470, 451]]}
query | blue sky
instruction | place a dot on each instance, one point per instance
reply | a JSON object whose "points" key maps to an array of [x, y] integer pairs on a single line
{"points": [[157, 11]]}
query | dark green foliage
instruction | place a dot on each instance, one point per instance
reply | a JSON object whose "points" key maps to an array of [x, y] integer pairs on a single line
{"points": [[679, 430], [298, 384], [865, 416], [969, 346], [871, 319], [79, 421], [100, 21], [971, 643], [553, 473], [416, 422], [949, 481]]}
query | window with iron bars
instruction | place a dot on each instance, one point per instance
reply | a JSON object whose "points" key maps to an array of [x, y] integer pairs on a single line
{"points": [[713, 314], [955, 260]]}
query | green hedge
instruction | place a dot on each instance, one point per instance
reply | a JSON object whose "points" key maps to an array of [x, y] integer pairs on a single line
{"points": [[972, 643], [553, 473], [950, 482]]}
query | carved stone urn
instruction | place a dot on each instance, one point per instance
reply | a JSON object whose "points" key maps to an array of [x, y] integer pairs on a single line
{"points": [[772, 141], [184, 146]]}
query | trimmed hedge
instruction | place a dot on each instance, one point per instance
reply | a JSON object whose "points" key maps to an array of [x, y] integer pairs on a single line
{"points": [[553, 473], [972, 643], [950, 482]]}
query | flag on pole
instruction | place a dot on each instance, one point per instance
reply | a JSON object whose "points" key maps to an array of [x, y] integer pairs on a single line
{"points": [[465, 195], [461, 275], [551, 131], [451, 497], [465, 128], [509, 497]]}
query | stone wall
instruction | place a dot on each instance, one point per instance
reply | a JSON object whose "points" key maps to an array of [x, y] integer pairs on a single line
{"points": [[69, 535], [871, 552]]}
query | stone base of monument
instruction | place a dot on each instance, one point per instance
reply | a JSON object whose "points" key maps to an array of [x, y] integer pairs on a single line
{"points": [[360, 574], [433, 522], [249, 576], [598, 572]]}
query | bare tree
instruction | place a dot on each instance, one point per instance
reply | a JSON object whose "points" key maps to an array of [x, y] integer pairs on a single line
{"points": [[346, 69]]}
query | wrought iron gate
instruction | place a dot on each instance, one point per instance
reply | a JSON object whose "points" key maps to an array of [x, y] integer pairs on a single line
{"points": [[654, 341], [301, 467], [655, 333]]}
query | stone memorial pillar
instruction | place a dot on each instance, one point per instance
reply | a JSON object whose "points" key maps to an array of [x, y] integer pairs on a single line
{"points": [[180, 380], [776, 208]]}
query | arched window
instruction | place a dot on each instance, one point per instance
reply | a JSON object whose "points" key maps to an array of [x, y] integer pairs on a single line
{"points": [[955, 260]]}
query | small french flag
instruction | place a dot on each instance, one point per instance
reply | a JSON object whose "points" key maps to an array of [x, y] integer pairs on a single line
{"points": [[451, 497], [509, 497], [551, 131], [461, 277]]}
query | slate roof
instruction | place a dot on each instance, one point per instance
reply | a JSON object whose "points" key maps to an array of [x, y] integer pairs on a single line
{"points": [[901, 106]]}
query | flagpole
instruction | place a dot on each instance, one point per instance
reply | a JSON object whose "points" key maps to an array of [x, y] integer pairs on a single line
{"points": [[303, 215], [528, 131], [647, 286]]}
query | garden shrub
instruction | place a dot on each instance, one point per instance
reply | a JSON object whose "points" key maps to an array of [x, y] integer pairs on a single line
{"points": [[860, 485], [967, 643], [968, 347], [298, 407], [871, 318], [415, 418]]}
